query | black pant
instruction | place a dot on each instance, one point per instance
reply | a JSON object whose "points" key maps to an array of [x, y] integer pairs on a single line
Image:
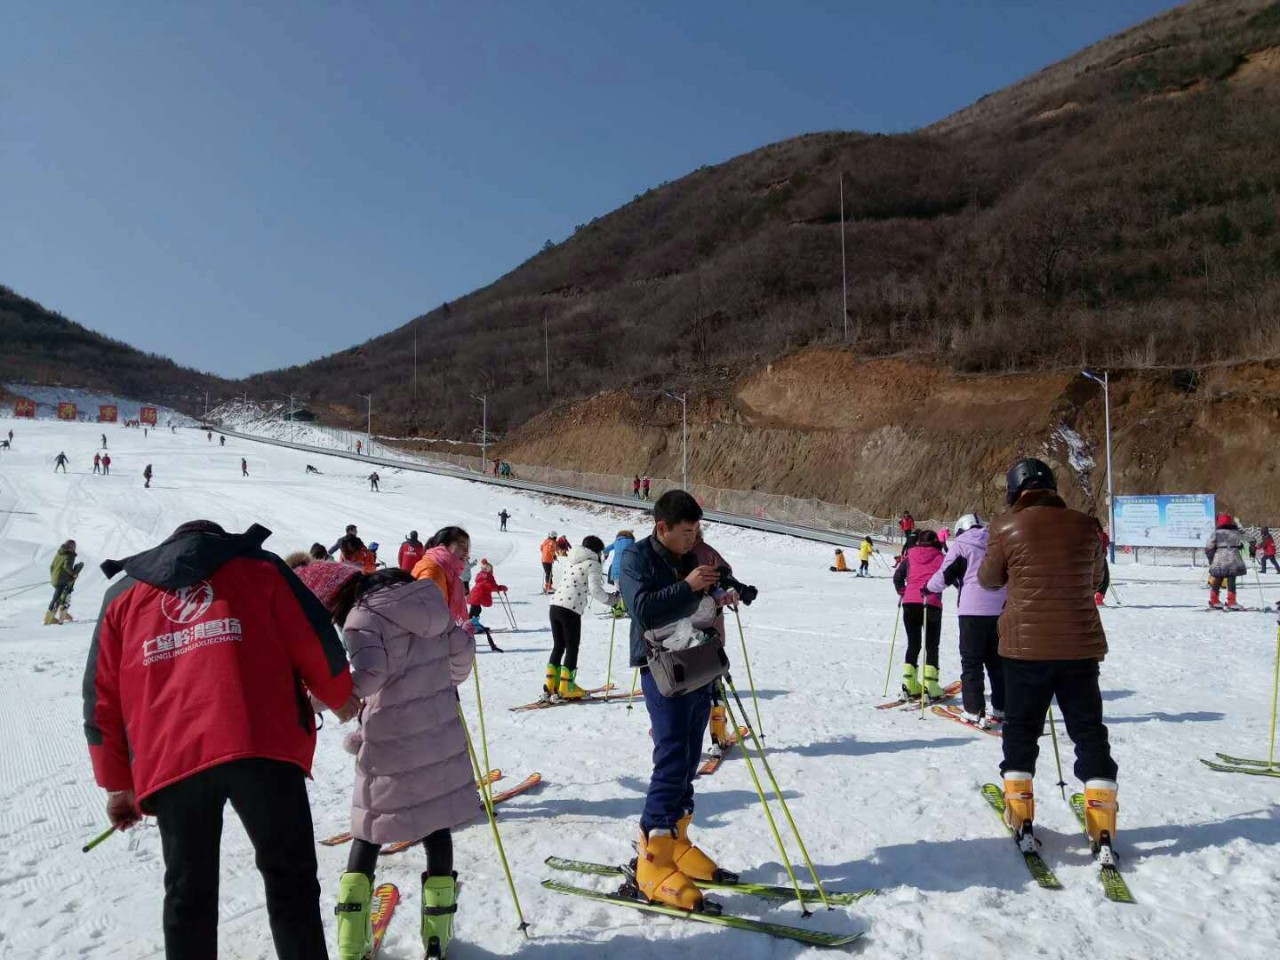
{"points": [[546, 573], [502, 523], [363, 857], [979, 650], [473, 611], [566, 635], [270, 798], [915, 616], [60, 595], [1275, 566], [1030, 686], [862, 568]]}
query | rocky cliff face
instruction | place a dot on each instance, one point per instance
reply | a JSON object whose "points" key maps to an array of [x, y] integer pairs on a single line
{"points": [[886, 435]]}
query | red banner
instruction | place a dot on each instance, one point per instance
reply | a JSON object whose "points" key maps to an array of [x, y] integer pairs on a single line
{"points": [[66, 411], [148, 415], [107, 413], [22, 407]]}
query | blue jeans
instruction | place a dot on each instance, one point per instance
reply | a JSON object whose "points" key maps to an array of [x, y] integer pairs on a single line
{"points": [[679, 724]]}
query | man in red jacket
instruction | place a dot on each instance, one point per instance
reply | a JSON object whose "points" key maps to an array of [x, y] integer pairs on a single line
{"points": [[411, 552], [195, 694]]}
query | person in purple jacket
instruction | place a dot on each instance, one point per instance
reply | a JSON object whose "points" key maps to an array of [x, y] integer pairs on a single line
{"points": [[920, 611], [979, 610]]}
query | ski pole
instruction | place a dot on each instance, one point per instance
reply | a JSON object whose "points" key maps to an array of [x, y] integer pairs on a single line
{"points": [[18, 590], [1053, 732], [782, 801], [493, 822], [104, 835], [635, 681], [750, 681], [1261, 596], [506, 606], [764, 804], [608, 671], [483, 779], [1275, 688], [892, 643]]}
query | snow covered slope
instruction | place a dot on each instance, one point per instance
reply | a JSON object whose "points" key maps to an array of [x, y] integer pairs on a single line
{"points": [[87, 403], [885, 798]]}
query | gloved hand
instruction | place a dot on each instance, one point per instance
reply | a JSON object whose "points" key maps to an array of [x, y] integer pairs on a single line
{"points": [[349, 709], [122, 809]]}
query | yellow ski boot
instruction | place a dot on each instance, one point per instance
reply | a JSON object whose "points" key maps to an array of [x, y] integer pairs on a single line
{"points": [[550, 683], [1100, 809], [910, 685], [569, 690], [692, 862], [1020, 808], [719, 725], [355, 923], [658, 878]]}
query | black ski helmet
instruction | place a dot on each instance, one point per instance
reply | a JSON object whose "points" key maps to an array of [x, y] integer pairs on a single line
{"points": [[1029, 474]]}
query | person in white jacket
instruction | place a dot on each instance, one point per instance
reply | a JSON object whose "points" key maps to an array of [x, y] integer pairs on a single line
{"points": [[577, 581]]}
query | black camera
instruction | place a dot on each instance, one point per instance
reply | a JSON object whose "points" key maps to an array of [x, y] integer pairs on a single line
{"points": [[746, 592]]}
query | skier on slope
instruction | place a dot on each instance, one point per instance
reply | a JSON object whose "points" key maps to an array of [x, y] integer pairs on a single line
{"points": [[104, 441], [411, 552], [921, 611], [146, 476], [503, 517], [481, 596], [1223, 547], [1267, 547], [841, 565], [60, 463], [413, 778], [577, 581], [97, 463], [865, 550], [222, 440], [1052, 641], [244, 467], [663, 584], [548, 553], [373, 482], [622, 542], [979, 611], [177, 728], [63, 572]]}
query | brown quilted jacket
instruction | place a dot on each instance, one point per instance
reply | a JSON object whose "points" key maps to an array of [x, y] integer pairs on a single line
{"points": [[1052, 561]]}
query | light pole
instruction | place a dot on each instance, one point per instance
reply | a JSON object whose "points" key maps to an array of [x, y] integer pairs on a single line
{"points": [[844, 268], [684, 435], [368, 425], [484, 429], [1105, 380]]}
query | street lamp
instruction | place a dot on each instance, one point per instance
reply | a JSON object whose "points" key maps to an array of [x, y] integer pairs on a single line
{"points": [[368, 426], [484, 429], [1105, 380], [293, 429], [684, 434]]}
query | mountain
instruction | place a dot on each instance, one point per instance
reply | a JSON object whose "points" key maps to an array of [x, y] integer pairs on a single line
{"points": [[40, 346], [1118, 208]]}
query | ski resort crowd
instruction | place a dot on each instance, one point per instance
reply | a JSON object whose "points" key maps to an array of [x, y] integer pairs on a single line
{"points": [[271, 643]]}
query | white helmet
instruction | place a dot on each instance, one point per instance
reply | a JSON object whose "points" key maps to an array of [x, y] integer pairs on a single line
{"points": [[967, 522]]}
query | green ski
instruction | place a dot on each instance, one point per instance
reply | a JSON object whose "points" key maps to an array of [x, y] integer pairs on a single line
{"points": [[765, 890], [1256, 768], [1040, 871], [1112, 882], [814, 938]]}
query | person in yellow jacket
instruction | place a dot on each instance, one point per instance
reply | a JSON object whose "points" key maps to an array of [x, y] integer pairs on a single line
{"points": [[841, 565], [864, 556], [548, 560]]}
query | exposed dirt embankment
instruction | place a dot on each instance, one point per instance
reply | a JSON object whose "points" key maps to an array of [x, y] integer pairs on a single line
{"points": [[889, 435]]}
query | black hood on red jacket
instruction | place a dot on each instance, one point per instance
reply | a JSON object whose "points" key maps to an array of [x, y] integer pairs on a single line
{"points": [[191, 554]]}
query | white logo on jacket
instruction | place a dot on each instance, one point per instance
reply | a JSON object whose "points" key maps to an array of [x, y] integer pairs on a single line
{"points": [[187, 603]]}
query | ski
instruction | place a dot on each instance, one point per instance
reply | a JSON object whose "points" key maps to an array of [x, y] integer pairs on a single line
{"points": [[493, 776], [1251, 769], [813, 938], [1039, 870], [1113, 884], [597, 696], [949, 691], [1247, 763], [382, 907], [951, 713], [766, 891], [711, 761]]}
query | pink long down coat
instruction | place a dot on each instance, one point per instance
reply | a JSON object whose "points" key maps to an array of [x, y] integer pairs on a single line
{"points": [[413, 774]]}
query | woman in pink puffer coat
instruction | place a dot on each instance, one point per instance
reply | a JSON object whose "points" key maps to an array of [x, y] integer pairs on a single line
{"points": [[414, 779], [920, 611]]}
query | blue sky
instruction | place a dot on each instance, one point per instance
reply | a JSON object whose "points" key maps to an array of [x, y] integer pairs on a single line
{"points": [[245, 186]]}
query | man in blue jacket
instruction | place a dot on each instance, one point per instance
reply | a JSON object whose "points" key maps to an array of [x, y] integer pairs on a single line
{"points": [[662, 583]]}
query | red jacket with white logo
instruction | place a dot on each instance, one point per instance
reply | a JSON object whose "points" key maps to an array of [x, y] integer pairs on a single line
{"points": [[411, 552], [204, 654]]}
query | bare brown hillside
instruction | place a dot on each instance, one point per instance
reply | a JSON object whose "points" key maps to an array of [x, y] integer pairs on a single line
{"points": [[892, 434]]}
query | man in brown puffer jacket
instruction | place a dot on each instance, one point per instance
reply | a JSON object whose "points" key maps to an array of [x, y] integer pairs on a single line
{"points": [[1051, 640]]}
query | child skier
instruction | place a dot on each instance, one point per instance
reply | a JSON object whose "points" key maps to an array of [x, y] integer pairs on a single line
{"points": [[920, 611], [146, 476], [1052, 641], [413, 777], [62, 574], [548, 552], [578, 581], [1268, 550], [1225, 561], [979, 611], [864, 557], [841, 566]]}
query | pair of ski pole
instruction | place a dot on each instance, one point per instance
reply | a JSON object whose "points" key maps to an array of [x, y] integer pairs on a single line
{"points": [[505, 602]]}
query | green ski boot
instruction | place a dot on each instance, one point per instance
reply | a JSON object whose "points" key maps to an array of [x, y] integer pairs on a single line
{"points": [[439, 904], [910, 685], [932, 688], [355, 924]]}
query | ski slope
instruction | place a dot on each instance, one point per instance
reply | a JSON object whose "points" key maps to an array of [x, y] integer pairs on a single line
{"points": [[885, 799]]}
